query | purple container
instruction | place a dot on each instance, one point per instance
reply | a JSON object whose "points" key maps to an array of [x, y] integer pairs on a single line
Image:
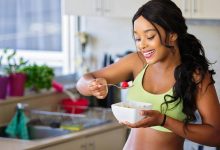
{"points": [[3, 86], [17, 84]]}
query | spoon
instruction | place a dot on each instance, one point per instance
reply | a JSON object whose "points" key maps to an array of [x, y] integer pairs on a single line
{"points": [[119, 87]]}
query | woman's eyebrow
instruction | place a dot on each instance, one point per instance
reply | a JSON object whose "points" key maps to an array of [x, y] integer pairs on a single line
{"points": [[145, 31]]}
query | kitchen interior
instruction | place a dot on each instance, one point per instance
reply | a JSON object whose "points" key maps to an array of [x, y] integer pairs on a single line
{"points": [[95, 33]]}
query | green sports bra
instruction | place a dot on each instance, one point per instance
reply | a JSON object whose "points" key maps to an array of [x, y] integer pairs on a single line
{"points": [[139, 94]]}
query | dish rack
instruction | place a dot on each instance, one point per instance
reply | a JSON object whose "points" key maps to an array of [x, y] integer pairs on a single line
{"points": [[91, 117]]}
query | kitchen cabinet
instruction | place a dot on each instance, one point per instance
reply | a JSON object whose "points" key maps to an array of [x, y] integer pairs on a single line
{"points": [[109, 8], [199, 9], [113, 140], [108, 140]]}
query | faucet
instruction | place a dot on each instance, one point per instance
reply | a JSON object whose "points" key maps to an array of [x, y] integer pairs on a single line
{"points": [[21, 105]]}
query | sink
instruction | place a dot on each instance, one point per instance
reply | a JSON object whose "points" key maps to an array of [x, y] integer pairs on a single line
{"points": [[39, 132], [90, 118], [44, 124]]}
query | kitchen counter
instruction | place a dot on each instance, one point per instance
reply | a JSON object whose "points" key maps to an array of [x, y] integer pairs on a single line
{"points": [[16, 144], [97, 136]]}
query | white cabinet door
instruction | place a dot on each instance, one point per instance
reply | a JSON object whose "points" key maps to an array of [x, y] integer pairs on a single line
{"points": [[78, 144], [185, 6], [82, 7], [111, 8], [111, 140], [199, 9], [206, 9], [122, 8], [107, 140]]}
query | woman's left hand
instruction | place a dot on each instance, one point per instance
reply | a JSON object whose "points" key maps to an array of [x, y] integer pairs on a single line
{"points": [[152, 118]]}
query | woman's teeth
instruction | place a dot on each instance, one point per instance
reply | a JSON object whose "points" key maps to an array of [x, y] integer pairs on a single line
{"points": [[148, 54]]}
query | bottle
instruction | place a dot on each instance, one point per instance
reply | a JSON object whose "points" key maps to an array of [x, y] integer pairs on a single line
{"points": [[124, 84]]}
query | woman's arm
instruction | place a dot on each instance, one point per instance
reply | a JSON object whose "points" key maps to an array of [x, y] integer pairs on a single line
{"points": [[207, 133], [94, 83]]}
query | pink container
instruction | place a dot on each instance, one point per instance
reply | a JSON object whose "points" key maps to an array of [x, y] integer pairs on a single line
{"points": [[17, 84], [3, 87]]}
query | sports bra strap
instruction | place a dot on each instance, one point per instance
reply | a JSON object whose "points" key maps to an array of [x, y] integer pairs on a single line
{"points": [[145, 66]]}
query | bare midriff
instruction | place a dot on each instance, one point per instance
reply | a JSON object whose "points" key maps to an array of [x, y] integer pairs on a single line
{"points": [[151, 139]]}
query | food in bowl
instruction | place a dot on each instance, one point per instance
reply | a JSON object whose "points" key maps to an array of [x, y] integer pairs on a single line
{"points": [[129, 110]]}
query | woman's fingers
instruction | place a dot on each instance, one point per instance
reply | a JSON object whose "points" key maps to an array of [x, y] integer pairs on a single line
{"points": [[147, 112], [140, 124], [152, 118], [98, 88], [100, 93]]}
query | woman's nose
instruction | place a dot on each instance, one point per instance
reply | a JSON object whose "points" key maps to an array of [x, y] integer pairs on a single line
{"points": [[143, 44]]}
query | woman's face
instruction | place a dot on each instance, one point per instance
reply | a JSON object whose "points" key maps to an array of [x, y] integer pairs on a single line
{"points": [[148, 41]]}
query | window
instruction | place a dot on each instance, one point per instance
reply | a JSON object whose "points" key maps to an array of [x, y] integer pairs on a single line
{"points": [[39, 32]]}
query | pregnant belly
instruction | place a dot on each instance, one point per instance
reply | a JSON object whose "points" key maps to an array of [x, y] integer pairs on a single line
{"points": [[151, 139]]}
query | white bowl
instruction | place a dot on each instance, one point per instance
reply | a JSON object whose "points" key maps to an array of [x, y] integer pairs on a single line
{"points": [[129, 110]]}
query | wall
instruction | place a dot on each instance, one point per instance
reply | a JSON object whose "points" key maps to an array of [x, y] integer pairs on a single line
{"points": [[108, 35], [113, 35], [209, 34]]}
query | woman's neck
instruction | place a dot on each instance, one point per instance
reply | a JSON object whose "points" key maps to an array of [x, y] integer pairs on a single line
{"points": [[170, 63]]}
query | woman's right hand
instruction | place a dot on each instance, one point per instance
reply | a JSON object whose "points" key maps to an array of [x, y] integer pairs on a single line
{"points": [[98, 88]]}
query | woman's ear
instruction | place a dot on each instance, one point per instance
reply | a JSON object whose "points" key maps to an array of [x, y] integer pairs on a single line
{"points": [[173, 36]]}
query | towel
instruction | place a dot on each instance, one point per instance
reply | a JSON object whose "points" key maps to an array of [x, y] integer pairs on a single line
{"points": [[17, 128]]}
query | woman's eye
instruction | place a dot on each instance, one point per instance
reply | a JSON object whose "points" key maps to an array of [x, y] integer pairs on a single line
{"points": [[137, 39], [150, 38]]}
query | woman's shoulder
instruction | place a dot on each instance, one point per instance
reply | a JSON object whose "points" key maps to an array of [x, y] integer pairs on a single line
{"points": [[135, 60], [203, 81], [135, 57]]}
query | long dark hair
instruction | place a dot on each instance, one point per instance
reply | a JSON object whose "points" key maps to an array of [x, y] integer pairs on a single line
{"points": [[166, 14]]}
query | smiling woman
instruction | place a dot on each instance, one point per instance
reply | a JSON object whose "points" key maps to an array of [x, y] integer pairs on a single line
{"points": [[169, 70], [35, 29]]}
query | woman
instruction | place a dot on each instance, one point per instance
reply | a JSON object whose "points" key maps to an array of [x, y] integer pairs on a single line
{"points": [[170, 71]]}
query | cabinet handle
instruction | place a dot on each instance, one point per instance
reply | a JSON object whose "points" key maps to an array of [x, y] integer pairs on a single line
{"points": [[106, 6], [98, 5], [195, 6], [92, 145], [83, 147], [185, 6]]}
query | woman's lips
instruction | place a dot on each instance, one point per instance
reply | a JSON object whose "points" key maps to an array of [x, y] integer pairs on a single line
{"points": [[149, 53]]}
